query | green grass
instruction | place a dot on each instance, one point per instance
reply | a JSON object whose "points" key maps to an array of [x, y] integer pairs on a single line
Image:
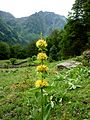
{"points": [[68, 96], [3, 62]]}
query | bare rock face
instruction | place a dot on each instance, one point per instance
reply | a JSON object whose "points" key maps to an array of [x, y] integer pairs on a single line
{"points": [[68, 64]]}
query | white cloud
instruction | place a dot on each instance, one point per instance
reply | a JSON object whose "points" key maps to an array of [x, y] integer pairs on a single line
{"points": [[20, 8]]}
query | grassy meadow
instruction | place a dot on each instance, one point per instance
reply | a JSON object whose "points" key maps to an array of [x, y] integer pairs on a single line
{"points": [[66, 98]]}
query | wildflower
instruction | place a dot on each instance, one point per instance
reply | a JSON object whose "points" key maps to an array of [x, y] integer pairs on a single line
{"points": [[41, 56], [42, 68], [41, 43], [41, 83]]}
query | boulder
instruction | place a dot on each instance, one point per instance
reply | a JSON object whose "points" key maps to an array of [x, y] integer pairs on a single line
{"points": [[68, 64]]}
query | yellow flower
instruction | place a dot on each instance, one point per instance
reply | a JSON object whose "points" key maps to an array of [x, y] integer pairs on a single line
{"points": [[41, 83], [41, 43], [41, 56], [42, 68]]}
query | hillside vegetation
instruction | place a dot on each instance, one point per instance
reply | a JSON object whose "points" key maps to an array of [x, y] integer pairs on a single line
{"points": [[64, 43], [68, 97], [29, 28], [60, 93], [7, 34]]}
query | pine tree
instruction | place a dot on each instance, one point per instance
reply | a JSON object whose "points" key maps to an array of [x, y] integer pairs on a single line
{"points": [[86, 19], [75, 38]]}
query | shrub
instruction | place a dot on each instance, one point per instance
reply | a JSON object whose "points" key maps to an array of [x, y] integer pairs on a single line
{"points": [[4, 51], [29, 60], [50, 59], [13, 60], [86, 57], [78, 58], [34, 58]]}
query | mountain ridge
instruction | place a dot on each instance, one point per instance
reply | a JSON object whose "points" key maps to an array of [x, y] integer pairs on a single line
{"points": [[29, 28]]}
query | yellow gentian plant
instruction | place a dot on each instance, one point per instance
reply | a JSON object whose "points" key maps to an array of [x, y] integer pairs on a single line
{"points": [[41, 44]]}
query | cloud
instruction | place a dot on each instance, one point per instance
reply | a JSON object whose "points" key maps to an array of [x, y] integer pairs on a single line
{"points": [[21, 8]]}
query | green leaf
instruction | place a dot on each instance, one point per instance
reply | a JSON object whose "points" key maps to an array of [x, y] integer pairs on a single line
{"points": [[49, 88], [37, 95], [34, 90], [47, 112]]}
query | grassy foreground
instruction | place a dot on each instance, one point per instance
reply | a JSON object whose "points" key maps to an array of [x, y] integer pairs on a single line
{"points": [[68, 97]]}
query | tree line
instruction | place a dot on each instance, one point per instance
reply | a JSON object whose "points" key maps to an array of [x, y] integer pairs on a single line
{"points": [[62, 44], [75, 37], [17, 51]]}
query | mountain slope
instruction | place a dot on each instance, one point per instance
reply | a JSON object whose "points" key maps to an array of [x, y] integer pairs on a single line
{"points": [[29, 28], [44, 22], [10, 20], [7, 34]]}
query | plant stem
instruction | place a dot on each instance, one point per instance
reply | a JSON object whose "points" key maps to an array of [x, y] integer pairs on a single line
{"points": [[41, 103]]}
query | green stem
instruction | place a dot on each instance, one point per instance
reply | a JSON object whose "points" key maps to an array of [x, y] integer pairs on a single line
{"points": [[42, 104], [42, 108]]}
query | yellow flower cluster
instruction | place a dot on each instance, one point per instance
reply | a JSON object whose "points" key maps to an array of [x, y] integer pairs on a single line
{"points": [[42, 68], [41, 43], [41, 56], [41, 83]]}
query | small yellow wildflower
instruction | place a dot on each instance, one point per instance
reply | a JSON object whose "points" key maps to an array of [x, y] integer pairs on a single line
{"points": [[41, 43], [42, 68], [41, 83], [41, 56]]}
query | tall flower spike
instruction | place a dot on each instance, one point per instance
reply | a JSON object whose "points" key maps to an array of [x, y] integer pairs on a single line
{"points": [[41, 44]]}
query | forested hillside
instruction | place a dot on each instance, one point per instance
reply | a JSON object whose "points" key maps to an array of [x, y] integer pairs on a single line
{"points": [[65, 38], [7, 34], [75, 38], [29, 28], [44, 22]]}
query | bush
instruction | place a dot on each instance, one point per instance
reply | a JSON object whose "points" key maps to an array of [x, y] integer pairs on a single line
{"points": [[86, 57], [34, 58], [50, 59], [4, 51], [13, 60], [29, 60], [78, 58]]}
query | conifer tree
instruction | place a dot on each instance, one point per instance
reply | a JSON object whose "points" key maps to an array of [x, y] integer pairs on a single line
{"points": [[76, 32]]}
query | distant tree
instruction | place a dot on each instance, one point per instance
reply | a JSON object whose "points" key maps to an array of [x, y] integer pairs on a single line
{"points": [[86, 18], [54, 38], [18, 51], [22, 53], [53, 53], [32, 49], [75, 37], [4, 51], [54, 41]]}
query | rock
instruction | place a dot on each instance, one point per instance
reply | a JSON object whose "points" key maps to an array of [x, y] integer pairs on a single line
{"points": [[68, 64]]}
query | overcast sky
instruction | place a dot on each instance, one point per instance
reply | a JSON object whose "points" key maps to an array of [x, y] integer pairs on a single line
{"points": [[22, 8]]}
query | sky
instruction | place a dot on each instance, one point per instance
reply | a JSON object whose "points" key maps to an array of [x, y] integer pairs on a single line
{"points": [[22, 8]]}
